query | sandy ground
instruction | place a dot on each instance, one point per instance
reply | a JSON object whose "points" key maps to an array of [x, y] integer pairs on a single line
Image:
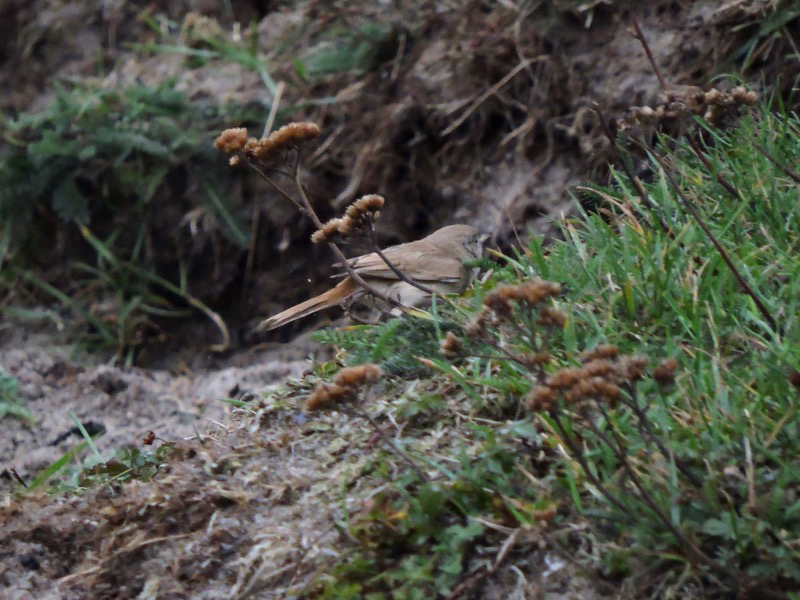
{"points": [[125, 403]]}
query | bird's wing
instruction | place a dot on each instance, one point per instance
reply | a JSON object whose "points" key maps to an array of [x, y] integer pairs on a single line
{"points": [[422, 263]]}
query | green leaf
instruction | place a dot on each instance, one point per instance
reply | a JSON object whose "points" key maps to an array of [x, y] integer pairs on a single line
{"points": [[721, 527], [69, 203], [87, 153]]}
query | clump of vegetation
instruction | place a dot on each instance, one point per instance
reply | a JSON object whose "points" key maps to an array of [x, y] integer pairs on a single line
{"points": [[649, 392], [105, 175]]}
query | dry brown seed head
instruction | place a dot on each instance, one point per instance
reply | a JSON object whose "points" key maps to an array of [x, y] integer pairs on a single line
{"points": [[713, 96], [264, 150], [738, 93], [317, 399], [598, 368], [602, 351], [608, 390], [498, 302], [251, 145], [582, 390], [541, 289], [552, 317], [451, 345], [476, 326], [355, 377], [292, 135], [506, 292], [665, 372], [365, 206], [541, 398], [231, 140], [347, 226], [565, 378], [327, 233], [632, 367], [324, 395], [532, 292]]}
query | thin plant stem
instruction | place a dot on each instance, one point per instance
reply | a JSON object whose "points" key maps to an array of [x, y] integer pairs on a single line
{"points": [[782, 166], [646, 429], [646, 200], [643, 41], [722, 252], [617, 448], [729, 187], [578, 453], [402, 276], [386, 440], [305, 207]]}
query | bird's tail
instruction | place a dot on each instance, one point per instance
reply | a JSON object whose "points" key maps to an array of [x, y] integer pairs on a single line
{"points": [[332, 297]]}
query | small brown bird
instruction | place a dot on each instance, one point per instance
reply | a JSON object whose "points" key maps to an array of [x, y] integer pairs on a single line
{"points": [[436, 262]]}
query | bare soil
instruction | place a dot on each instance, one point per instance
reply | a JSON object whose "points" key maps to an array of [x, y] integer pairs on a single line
{"points": [[125, 404], [480, 113]]}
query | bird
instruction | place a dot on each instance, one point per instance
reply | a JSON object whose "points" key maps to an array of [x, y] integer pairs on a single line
{"points": [[435, 261]]}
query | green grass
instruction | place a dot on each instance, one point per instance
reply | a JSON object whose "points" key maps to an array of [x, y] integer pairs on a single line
{"points": [[767, 35], [714, 515], [72, 474], [11, 401], [99, 174]]}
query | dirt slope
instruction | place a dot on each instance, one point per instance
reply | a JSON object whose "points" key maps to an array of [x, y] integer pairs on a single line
{"points": [[476, 112]]}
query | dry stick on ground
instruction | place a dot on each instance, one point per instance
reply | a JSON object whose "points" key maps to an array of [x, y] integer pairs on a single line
{"points": [[725, 257], [18, 478]]}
